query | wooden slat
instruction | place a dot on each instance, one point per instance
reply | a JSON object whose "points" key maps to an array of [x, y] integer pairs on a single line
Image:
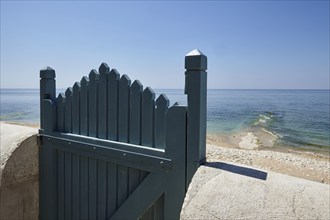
{"points": [[148, 107], [84, 106], [67, 186], [75, 186], [135, 112], [92, 188], [162, 105], [68, 111], [176, 148], [135, 129], [60, 112], [83, 188], [102, 101], [113, 84], [92, 103], [101, 189], [48, 183], [76, 108], [122, 185], [111, 189], [123, 108], [60, 184], [147, 121]]}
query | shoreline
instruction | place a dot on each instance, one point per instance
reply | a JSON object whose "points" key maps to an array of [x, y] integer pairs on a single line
{"points": [[258, 138], [256, 148]]}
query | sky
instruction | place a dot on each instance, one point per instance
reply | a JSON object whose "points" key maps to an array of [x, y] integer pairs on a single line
{"points": [[249, 44]]}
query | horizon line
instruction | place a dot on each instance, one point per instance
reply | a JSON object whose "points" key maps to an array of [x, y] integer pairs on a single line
{"points": [[207, 89]]}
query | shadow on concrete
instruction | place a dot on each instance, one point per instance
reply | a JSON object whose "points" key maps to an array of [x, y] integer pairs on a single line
{"points": [[238, 170]]}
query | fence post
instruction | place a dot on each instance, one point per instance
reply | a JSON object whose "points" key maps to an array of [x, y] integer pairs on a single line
{"points": [[47, 90], [196, 89]]}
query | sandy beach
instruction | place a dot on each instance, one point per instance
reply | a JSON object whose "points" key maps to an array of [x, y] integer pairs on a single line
{"points": [[256, 149]]}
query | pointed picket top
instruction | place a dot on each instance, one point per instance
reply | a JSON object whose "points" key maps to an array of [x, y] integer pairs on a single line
{"points": [[149, 93], [114, 75], [61, 97], [68, 92], [104, 68], [93, 75], [195, 60], [137, 86], [76, 87], [47, 73], [176, 104], [84, 81], [162, 101], [125, 80]]}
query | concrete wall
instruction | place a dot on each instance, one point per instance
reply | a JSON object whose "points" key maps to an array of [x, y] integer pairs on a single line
{"points": [[19, 189]]}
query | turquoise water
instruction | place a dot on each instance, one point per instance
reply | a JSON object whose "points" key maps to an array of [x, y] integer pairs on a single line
{"points": [[300, 118]]}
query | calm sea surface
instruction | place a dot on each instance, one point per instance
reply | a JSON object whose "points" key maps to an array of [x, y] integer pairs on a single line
{"points": [[300, 118]]}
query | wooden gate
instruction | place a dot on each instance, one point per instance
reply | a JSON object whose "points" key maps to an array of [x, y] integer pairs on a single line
{"points": [[109, 150]]}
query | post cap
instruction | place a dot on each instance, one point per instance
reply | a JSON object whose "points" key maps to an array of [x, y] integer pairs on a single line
{"points": [[47, 73], [196, 60]]}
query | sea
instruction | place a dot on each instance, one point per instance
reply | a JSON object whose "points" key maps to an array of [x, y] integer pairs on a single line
{"points": [[298, 118]]}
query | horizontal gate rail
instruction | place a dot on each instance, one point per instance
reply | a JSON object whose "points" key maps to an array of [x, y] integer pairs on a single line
{"points": [[147, 160], [107, 143]]}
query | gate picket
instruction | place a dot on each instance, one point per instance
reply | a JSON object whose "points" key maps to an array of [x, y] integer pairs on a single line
{"points": [[113, 84], [60, 184], [160, 112], [135, 130], [123, 108], [76, 108], [68, 111], [83, 204], [123, 135], [92, 103], [60, 111], [101, 189], [67, 185], [75, 186], [84, 106], [102, 101], [135, 112], [92, 188], [148, 107], [112, 189]]}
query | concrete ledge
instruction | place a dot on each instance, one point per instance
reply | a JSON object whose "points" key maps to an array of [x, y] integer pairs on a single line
{"points": [[231, 191], [19, 186]]}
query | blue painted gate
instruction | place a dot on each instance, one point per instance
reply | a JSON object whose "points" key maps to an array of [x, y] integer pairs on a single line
{"points": [[110, 150]]}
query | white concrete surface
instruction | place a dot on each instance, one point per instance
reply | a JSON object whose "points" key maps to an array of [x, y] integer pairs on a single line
{"points": [[219, 191], [19, 183]]}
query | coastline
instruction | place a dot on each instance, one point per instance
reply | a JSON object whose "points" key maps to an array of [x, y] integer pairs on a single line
{"points": [[256, 148]]}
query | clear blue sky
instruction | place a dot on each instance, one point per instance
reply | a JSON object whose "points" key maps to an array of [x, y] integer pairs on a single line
{"points": [[250, 45]]}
